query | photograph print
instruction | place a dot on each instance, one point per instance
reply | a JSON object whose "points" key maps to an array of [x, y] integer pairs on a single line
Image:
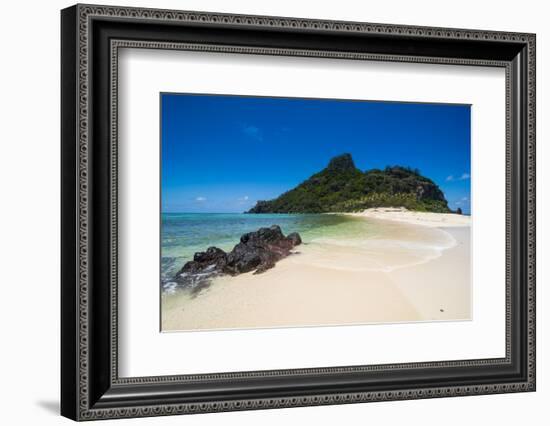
{"points": [[295, 212]]}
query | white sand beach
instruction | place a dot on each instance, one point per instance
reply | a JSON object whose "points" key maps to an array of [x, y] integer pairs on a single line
{"points": [[416, 267], [403, 215]]}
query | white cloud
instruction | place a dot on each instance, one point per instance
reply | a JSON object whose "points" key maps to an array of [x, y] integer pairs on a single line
{"points": [[200, 199], [465, 199], [451, 178], [253, 132]]}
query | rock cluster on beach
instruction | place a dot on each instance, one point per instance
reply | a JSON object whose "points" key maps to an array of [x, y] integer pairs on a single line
{"points": [[257, 251]]}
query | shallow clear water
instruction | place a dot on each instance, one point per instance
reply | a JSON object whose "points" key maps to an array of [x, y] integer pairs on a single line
{"points": [[183, 234]]}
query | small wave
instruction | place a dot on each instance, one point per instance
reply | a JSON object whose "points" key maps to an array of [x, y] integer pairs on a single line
{"points": [[384, 243], [375, 254], [169, 287]]}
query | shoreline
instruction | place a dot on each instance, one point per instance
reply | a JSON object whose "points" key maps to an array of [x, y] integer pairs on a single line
{"points": [[402, 215], [393, 276]]}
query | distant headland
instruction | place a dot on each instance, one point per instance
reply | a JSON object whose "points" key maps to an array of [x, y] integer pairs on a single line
{"points": [[342, 187]]}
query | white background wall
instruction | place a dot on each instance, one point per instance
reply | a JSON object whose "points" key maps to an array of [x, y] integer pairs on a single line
{"points": [[29, 213]]}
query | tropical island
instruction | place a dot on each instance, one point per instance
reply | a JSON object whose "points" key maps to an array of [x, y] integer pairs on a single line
{"points": [[342, 187], [291, 212], [396, 194]]}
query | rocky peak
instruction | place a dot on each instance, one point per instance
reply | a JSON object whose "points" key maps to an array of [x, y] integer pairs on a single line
{"points": [[341, 163]]}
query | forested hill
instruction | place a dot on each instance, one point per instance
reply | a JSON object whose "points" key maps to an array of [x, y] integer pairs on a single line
{"points": [[342, 187]]}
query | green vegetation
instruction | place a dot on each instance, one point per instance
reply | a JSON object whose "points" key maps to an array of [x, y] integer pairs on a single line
{"points": [[341, 187], [384, 199]]}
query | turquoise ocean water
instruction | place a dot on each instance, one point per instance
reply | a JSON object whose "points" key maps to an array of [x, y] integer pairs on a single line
{"points": [[183, 234]]}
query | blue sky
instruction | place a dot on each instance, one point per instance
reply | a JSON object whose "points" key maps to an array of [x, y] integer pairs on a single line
{"points": [[223, 153]]}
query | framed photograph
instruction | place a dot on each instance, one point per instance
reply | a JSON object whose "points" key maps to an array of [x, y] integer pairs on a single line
{"points": [[263, 212]]}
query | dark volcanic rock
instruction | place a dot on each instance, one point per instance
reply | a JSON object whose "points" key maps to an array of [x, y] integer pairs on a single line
{"points": [[257, 251], [295, 238], [211, 255], [197, 273], [205, 260]]}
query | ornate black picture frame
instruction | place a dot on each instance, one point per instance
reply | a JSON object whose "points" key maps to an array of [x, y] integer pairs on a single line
{"points": [[91, 387]]}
